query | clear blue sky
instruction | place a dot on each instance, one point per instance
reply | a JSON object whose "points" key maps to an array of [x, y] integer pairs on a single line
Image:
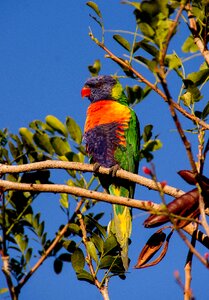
{"points": [[44, 53]]}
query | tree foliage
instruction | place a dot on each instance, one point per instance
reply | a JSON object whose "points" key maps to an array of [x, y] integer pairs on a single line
{"points": [[83, 239]]}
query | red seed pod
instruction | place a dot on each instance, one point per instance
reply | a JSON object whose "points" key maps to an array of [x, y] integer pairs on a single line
{"points": [[186, 205]]}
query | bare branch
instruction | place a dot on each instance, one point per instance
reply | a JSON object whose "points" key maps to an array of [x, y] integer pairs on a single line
{"points": [[55, 164]]}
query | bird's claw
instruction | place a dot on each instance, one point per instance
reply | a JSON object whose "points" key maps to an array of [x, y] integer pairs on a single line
{"points": [[96, 167], [114, 169]]}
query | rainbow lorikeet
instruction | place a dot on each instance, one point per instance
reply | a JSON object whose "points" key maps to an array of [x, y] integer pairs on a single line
{"points": [[112, 140]]}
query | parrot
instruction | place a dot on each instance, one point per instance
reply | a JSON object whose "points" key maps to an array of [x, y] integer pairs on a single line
{"points": [[112, 138]]}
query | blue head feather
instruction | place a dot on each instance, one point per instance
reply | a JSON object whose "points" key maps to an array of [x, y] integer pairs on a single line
{"points": [[101, 87]]}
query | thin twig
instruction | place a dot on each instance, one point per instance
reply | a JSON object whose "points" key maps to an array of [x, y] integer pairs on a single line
{"points": [[103, 289], [188, 268], [170, 33], [182, 135], [192, 249]]}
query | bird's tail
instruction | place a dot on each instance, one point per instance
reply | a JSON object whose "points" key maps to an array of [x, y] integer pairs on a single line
{"points": [[121, 224]]}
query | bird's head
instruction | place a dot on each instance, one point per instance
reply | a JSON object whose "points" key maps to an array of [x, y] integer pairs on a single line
{"points": [[103, 87]]}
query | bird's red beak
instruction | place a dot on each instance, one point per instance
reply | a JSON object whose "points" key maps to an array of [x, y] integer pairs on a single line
{"points": [[85, 92]]}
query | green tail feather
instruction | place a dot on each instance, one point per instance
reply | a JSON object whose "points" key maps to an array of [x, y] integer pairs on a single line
{"points": [[121, 224]]}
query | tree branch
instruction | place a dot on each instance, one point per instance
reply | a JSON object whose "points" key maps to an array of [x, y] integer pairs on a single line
{"points": [[55, 164], [197, 39]]}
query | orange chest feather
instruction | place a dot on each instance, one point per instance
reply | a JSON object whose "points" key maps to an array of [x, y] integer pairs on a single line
{"points": [[107, 111]]}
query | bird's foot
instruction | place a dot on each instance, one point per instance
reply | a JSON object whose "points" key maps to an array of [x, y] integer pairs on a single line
{"points": [[114, 169], [96, 167]]}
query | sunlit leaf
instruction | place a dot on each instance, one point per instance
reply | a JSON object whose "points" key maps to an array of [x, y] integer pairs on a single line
{"points": [[189, 45], [64, 200], [95, 68], [42, 141], [91, 249], [74, 130], [56, 124], [122, 41], [60, 145], [3, 290], [95, 8]]}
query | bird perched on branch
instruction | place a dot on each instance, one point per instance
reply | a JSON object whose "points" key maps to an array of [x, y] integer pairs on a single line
{"points": [[112, 140]]}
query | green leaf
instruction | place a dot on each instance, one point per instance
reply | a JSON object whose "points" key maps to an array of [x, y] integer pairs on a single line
{"points": [[135, 94], [40, 229], [110, 244], [91, 249], [43, 142], [95, 68], [192, 94], [69, 245], [74, 228], [98, 242], [135, 4], [74, 130], [173, 61], [205, 112], [27, 136], [152, 145], [114, 263], [78, 260], [151, 64], [22, 241], [60, 145], [85, 276], [152, 50], [147, 30], [3, 290], [92, 221], [95, 8], [122, 41], [56, 125], [189, 45], [199, 77], [28, 255], [147, 134], [64, 200]]}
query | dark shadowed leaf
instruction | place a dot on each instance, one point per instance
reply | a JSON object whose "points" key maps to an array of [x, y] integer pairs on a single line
{"points": [[78, 260], [110, 244], [58, 264], [85, 276], [69, 245]]}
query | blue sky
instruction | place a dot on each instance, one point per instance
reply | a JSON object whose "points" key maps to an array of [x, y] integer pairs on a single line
{"points": [[44, 53]]}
